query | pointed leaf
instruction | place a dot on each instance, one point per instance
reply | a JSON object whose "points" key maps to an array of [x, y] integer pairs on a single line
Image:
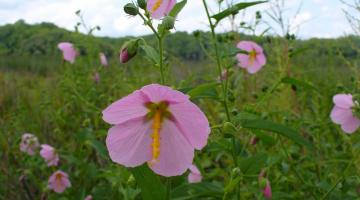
{"points": [[177, 8]]}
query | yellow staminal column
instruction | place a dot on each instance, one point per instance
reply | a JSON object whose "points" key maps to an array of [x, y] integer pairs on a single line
{"points": [[156, 5], [252, 56], [156, 136]]}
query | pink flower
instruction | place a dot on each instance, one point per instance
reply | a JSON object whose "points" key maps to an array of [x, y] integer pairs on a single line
{"points": [[158, 125], [254, 60], [103, 60], [29, 143], [195, 175], [160, 8], [68, 50], [59, 181], [49, 154], [88, 197], [342, 113], [267, 190]]}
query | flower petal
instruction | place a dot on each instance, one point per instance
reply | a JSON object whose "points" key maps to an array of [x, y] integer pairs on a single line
{"points": [[157, 93], [340, 115], [159, 12], [192, 123], [125, 109], [255, 67], [176, 154], [246, 45], [129, 143], [194, 178], [243, 60], [343, 100], [351, 125]]}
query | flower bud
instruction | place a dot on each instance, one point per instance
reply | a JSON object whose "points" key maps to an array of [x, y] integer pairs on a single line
{"points": [[267, 190], [229, 128], [131, 9], [129, 50], [141, 4], [168, 22]]}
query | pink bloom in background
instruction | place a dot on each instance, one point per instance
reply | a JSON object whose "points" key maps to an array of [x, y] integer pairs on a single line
{"points": [[88, 197], [267, 190], [160, 8], [68, 50], [124, 56], [103, 60], [59, 181], [29, 143], [96, 77], [158, 125], [195, 175], [49, 154], [254, 60], [342, 113]]}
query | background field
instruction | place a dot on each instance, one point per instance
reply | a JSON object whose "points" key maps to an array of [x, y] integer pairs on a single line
{"points": [[62, 104]]}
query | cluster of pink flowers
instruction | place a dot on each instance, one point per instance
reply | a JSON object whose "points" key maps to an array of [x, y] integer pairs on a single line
{"points": [[59, 180]]}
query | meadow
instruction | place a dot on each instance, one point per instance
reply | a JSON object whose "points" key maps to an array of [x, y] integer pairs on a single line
{"points": [[271, 132]]}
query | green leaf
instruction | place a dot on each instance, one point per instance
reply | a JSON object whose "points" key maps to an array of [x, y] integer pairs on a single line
{"points": [[197, 190], [151, 53], [252, 165], [276, 128], [298, 83], [207, 90], [234, 10], [177, 8], [99, 147], [151, 186]]}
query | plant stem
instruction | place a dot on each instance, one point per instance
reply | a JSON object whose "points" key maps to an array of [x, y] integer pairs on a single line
{"points": [[160, 43], [218, 60]]}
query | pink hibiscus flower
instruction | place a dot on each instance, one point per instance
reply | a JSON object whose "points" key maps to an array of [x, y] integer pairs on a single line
{"points": [[49, 154], [59, 181], [103, 60], [254, 60], [68, 50], [195, 175], [158, 125], [342, 113], [29, 143], [160, 8]]}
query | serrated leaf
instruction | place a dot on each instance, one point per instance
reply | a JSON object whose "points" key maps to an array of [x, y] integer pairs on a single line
{"points": [[151, 53], [276, 128], [234, 10], [177, 8], [207, 90], [151, 186]]}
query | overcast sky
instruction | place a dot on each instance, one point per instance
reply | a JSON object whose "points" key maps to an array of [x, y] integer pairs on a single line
{"points": [[318, 18]]}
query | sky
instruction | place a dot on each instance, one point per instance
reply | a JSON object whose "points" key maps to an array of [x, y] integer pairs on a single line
{"points": [[316, 18]]}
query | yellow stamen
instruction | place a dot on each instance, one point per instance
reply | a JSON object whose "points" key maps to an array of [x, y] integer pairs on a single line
{"points": [[156, 5], [156, 136], [252, 56]]}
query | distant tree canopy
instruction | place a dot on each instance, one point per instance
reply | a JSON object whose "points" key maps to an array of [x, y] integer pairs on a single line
{"points": [[21, 39]]}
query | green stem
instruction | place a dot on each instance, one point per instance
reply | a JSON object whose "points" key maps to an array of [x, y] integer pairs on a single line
{"points": [[168, 188], [218, 60], [161, 48]]}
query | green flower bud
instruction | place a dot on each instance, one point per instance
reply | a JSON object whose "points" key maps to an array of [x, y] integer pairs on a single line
{"points": [[168, 22], [141, 4], [229, 128], [131, 9], [129, 50]]}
